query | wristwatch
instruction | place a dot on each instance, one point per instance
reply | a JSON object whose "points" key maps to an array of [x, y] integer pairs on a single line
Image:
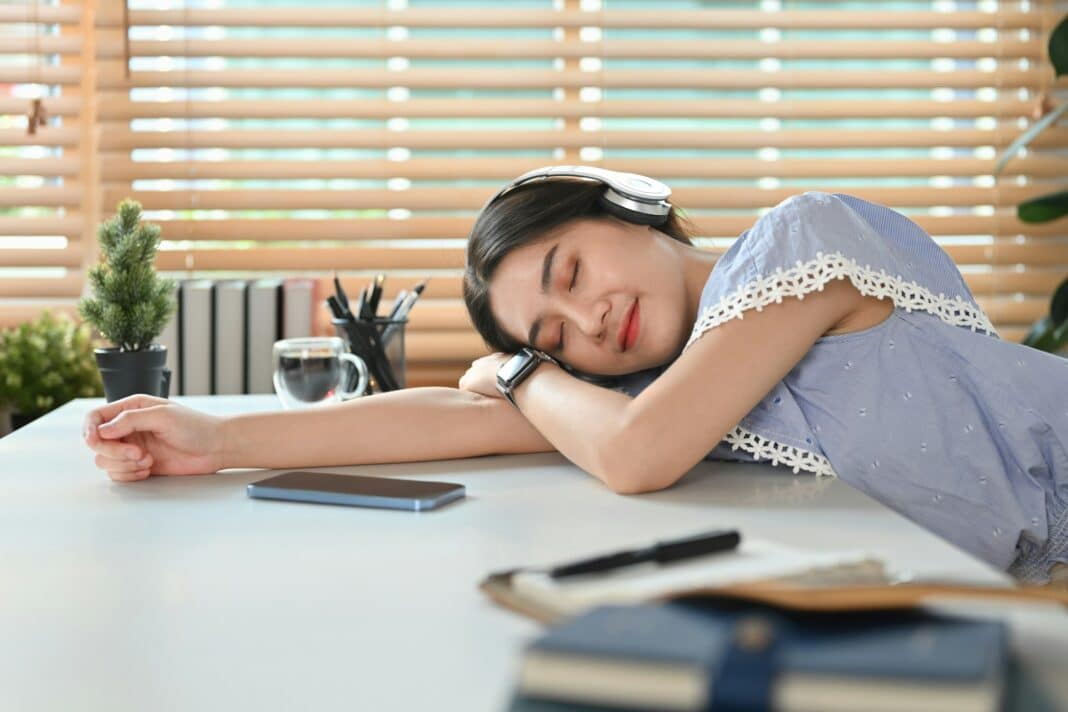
{"points": [[513, 371]]}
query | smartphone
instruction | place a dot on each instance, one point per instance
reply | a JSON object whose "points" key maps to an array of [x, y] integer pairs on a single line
{"points": [[356, 490]]}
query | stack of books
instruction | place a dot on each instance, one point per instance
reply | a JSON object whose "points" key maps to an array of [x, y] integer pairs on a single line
{"points": [[220, 338]]}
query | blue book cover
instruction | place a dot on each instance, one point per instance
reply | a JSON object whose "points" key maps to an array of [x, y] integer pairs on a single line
{"points": [[667, 655]]}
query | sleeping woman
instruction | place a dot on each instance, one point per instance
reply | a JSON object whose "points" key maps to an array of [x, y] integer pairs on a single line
{"points": [[834, 338]]}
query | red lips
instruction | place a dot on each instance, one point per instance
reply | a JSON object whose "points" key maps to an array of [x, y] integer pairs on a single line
{"points": [[625, 327]]}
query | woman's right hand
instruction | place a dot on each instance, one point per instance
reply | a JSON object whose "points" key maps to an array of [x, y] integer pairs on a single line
{"points": [[143, 435]]}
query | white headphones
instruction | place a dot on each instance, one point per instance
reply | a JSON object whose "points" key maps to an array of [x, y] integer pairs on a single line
{"points": [[628, 196]]}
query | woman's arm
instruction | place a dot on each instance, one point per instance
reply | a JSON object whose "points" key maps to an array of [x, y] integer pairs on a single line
{"points": [[399, 426]]}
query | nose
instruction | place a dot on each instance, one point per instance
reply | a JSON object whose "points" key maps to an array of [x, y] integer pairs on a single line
{"points": [[586, 316]]}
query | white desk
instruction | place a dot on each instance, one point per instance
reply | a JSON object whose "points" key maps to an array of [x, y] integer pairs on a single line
{"points": [[180, 593]]}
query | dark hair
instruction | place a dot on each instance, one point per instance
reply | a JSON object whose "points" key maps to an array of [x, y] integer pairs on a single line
{"points": [[523, 216]]}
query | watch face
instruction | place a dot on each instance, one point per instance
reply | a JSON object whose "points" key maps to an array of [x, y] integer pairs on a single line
{"points": [[513, 367]]}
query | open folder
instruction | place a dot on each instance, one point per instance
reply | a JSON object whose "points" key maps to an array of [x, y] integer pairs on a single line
{"points": [[758, 570]]}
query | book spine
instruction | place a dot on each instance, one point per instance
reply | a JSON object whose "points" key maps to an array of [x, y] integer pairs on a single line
{"points": [[244, 338], [213, 357], [181, 339]]}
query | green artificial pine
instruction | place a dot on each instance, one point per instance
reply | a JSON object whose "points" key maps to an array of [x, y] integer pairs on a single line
{"points": [[132, 304]]}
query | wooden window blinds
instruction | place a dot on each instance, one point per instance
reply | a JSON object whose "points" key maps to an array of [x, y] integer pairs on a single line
{"points": [[363, 137], [46, 164]]}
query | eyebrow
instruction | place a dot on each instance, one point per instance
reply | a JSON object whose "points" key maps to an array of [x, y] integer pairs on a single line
{"points": [[546, 277]]}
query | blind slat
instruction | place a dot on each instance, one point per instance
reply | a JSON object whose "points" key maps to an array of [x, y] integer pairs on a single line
{"points": [[381, 47], [1002, 223], [45, 44], [486, 17], [52, 196], [70, 285], [39, 12], [114, 107], [473, 198], [40, 74], [325, 258], [55, 105], [502, 169], [119, 138], [68, 225], [1042, 254], [112, 76], [65, 166], [50, 135], [16, 312], [452, 316], [71, 256], [444, 290]]}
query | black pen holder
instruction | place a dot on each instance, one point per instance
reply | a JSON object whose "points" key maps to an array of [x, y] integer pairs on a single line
{"points": [[381, 346]]}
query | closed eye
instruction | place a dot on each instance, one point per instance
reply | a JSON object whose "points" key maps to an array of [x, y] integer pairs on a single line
{"points": [[574, 278]]}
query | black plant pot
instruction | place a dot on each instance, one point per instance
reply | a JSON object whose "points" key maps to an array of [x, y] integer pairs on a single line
{"points": [[127, 372]]}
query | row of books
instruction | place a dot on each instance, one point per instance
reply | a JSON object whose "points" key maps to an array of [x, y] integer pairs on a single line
{"points": [[220, 338]]}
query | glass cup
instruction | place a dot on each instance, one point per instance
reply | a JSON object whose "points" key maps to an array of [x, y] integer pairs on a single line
{"points": [[311, 370]]}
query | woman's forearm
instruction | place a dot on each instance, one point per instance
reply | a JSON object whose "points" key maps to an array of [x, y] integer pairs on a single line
{"points": [[399, 426], [581, 419]]}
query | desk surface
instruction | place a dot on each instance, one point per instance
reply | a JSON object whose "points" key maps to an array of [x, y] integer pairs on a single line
{"points": [[181, 593]]}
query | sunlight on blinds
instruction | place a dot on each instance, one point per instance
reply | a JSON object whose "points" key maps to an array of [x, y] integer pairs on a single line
{"points": [[42, 166]]}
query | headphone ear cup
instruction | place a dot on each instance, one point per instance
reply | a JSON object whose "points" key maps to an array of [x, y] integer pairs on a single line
{"points": [[628, 215]]}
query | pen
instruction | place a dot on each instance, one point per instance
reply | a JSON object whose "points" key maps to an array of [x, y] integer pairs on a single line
{"points": [[396, 303], [335, 307], [361, 305], [376, 294], [342, 298], [401, 313], [660, 552], [409, 301]]}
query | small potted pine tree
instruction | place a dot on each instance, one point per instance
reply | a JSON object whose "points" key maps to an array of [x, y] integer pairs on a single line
{"points": [[130, 307]]}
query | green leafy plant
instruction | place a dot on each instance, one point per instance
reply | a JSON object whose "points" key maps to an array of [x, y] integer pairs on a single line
{"points": [[1050, 333], [45, 363], [132, 303]]}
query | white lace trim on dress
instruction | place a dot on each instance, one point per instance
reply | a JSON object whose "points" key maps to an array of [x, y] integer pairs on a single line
{"points": [[813, 276], [762, 448]]}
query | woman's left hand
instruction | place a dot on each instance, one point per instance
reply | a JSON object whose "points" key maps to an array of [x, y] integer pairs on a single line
{"points": [[481, 377]]}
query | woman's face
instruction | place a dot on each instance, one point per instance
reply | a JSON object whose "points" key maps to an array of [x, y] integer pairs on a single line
{"points": [[597, 274]]}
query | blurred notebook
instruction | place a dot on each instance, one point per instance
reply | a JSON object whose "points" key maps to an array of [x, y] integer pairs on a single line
{"points": [[696, 656], [531, 591], [757, 571]]}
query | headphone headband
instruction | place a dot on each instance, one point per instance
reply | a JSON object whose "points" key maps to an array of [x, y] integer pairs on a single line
{"points": [[627, 195]]}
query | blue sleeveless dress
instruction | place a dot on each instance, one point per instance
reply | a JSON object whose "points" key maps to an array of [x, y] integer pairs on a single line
{"points": [[928, 412]]}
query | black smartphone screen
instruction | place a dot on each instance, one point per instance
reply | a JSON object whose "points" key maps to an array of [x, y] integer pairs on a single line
{"points": [[331, 488]]}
